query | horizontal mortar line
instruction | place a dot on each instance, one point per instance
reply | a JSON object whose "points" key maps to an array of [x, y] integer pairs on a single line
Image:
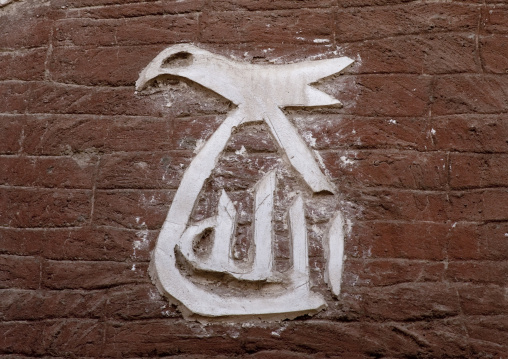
{"points": [[58, 189], [404, 35], [406, 222], [425, 2], [60, 84], [423, 261], [127, 262], [127, 189], [75, 14], [390, 150], [50, 116], [123, 229], [374, 189], [22, 49], [474, 116], [43, 229]]}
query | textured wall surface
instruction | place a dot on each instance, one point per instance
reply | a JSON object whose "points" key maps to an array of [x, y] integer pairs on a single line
{"points": [[419, 153]]}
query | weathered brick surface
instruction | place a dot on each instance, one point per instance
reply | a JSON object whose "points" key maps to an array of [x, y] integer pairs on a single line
{"points": [[418, 152]]}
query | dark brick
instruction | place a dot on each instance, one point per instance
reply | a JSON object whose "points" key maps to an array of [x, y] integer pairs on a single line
{"points": [[303, 26], [32, 305], [360, 24], [380, 273], [21, 338], [398, 205], [413, 170], [483, 299], [399, 240], [333, 132], [135, 170], [429, 54], [23, 65], [470, 94], [487, 272], [407, 302], [43, 207], [62, 172], [138, 302], [253, 5], [71, 337], [476, 171], [494, 240], [21, 241], [384, 95], [98, 244], [19, 272], [11, 133], [474, 134], [145, 209], [91, 274], [115, 9], [495, 19], [494, 52], [82, 135], [123, 32]]}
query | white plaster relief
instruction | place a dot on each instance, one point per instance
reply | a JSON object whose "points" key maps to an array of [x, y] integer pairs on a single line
{"points": [[259, 92]]}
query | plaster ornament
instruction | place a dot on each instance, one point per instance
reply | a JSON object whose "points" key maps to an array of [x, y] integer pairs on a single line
{"points": [[259, 92]]}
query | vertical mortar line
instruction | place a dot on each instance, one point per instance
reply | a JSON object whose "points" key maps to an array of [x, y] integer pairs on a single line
{"points": [[481, 9], [334, 9], [49, 53], [94, 188]]}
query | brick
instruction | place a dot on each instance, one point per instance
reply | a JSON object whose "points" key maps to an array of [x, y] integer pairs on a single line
{"points": [[380, 273], [399, 240], [439, 338], [488, 272], [138, 302], [476, 134], [21, 338], [83, 338], [150, 171], [364, 23], [43, 207], [495, 202], [302, 26], [466, 206], [407, 302], [29, 27], [59, 135], [117, 9], [429, 54], [495, 19], [19, 272], [251, 5], [113, 244], [23, 65], [490, 330], [21, 242], [398, 205], [494, 53], [254, 138], [61, 172], [145, 209], [384, 95], [95, 3], [11, 132], [415, 170], [464, 242], [476, 171], [463, 94], [188, 132], [166, 337], [483, 299], [494, 240], [344, 131], [32, 305], [91, 274], [85, 66], [123, 32]]}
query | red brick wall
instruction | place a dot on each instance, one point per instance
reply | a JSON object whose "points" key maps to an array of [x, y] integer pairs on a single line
{"points": [[419, 152]]}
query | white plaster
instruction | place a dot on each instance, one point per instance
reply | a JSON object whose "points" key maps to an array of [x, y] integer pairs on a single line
{"points": [[259, 92], [334, 249], [320, 41]]}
